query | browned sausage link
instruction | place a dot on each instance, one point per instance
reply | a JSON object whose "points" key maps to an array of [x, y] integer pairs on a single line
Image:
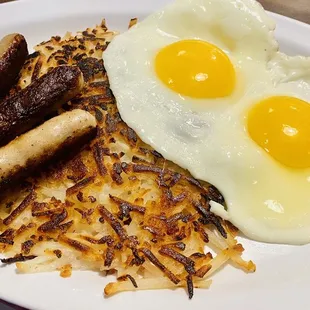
{"points": [[13, 53], [54, 139], [28, 107]]}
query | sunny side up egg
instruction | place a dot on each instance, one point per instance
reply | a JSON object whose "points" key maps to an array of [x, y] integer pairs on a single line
{"points": [[203, 83]]}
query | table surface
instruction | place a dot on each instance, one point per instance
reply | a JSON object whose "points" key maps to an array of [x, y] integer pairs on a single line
{"points": [[298, 9]]}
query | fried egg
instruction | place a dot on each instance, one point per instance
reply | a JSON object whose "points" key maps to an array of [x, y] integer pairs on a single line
{"points": [[203, 82]]}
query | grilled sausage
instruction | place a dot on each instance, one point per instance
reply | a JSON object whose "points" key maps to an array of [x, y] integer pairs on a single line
{"points": [[13, 53], [56, 136], [28, 107]]}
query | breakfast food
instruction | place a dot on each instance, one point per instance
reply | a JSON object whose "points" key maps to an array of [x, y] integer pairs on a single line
{"points": [[204, 84], [28, 107], [117, 206], [13, 53], [56, 136]]}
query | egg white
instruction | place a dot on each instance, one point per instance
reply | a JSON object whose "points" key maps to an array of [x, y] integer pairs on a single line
{"points": [[265, 200]]}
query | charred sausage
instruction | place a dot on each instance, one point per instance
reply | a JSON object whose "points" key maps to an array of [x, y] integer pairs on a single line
{"points": [[13, 53], [28, 107]]}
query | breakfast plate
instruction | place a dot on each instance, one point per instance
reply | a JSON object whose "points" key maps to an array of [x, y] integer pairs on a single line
{"points": [[281, 279]]}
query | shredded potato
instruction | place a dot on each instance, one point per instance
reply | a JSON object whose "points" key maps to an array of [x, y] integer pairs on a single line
{"points": [[117, 206]]}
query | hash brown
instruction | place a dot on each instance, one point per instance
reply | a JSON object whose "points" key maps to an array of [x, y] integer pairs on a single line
{"points": [[117, 206]]}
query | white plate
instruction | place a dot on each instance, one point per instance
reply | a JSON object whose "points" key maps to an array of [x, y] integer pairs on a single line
{"points": [[282, 277]]}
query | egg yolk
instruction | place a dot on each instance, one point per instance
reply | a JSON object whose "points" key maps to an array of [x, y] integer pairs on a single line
{"points": [[196, 69], [281, 126]]}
